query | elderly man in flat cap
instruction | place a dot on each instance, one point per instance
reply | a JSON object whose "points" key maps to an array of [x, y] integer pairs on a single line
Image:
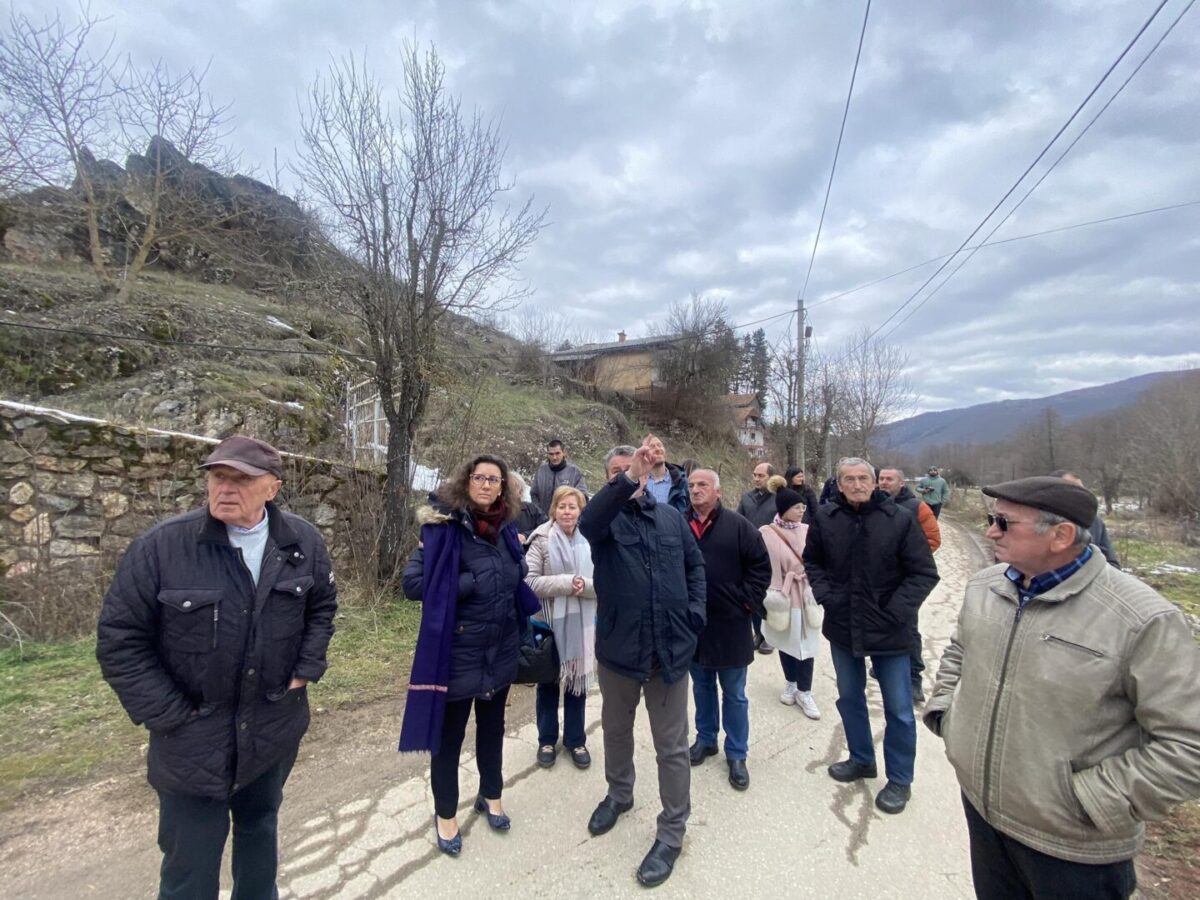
{"points": [[1068, 703], [216, 621]]}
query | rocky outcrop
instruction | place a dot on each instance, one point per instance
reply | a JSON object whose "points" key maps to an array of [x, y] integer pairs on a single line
{"points": [[225, 228]]}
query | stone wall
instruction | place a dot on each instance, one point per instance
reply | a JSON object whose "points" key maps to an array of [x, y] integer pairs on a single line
{"points": [[75, 491]]}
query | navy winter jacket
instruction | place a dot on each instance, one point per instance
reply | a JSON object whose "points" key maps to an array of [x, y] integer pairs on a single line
{"points": [[203, 658], [871, 569], [649, 578], [487, 625]]}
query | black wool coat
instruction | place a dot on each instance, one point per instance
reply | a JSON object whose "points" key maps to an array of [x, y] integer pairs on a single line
{"points": [[871, 569], [487, 623], [649, 578], [758, 506], [737, 572], [203, 658]]}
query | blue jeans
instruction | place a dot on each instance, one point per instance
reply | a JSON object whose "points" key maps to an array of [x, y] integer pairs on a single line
{"points": [[900, 725], [547, 716], [734, 708]]}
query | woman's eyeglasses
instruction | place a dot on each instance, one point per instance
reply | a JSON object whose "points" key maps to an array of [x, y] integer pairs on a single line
{"points": [[486, 479]]}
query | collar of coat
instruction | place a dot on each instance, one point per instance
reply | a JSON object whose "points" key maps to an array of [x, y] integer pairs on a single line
{"points": [[1064, 590], [213, 531]]}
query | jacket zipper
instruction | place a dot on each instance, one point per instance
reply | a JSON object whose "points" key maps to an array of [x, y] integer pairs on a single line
{"points": [[1051, 639], [216, 620], [991, 739]]}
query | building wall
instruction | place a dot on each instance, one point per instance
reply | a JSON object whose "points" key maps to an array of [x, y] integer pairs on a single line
{"points": [[630, 372]]}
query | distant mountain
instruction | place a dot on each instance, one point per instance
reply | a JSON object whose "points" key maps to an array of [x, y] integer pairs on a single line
{"points": [[1001, 420]]}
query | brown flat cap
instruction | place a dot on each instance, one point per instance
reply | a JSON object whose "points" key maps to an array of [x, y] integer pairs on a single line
{"points": [[246, 454], [1054, 495]]}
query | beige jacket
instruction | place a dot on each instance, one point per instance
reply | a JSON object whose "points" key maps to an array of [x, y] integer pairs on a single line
{"points": [[545, 585], [1075, 720]]}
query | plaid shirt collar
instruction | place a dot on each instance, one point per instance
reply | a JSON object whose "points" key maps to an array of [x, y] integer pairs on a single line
{"points": [[1039, 584]]}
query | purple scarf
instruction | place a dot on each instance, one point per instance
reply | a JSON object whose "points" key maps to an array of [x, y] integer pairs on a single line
{"points": [[425, 707]]}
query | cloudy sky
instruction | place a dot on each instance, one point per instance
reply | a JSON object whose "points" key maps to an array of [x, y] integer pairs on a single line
{"points": [[685, 147]]}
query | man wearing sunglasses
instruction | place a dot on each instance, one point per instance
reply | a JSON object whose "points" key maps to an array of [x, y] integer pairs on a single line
{"points": [[1067, 701]]}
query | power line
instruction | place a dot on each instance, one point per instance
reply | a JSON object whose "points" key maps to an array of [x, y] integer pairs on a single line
{"points": [[1010, 240], [1029, 168], [1046, 174], [836, 151]]}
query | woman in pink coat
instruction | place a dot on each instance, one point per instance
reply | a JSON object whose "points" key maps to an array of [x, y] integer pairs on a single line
{"points": [[797, 642]]}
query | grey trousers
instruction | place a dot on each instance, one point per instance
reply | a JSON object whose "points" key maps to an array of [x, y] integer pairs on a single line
{"points": [[667, 706]]}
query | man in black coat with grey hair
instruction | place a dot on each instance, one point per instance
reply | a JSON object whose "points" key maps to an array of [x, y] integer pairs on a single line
{"points": [[870, 568]]}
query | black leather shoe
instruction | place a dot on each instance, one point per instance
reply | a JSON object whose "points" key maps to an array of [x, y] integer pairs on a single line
{"points": [[546, 755], [699, 752], [581, 757], [848, 770], [739, 775], [918, 693], [656, 867], [606, 815], [893, 798]]}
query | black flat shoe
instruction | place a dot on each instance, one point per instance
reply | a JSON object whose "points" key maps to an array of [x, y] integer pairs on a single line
{"points": [[893, 798], [848, 770], [499, 822], [606, 815], [449, 846], [658, 864], [739, 775], [581, 757], [546, 755], [699, 752]]}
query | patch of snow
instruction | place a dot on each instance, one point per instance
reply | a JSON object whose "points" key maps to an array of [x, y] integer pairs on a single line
{"points": [[1168, 569], [279, 323], [290, 404]]}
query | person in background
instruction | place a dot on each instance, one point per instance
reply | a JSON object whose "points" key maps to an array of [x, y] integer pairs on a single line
{"points": [[216, 622], [798, 642], [469, 574], [552, 474], [892, 480], [794, 478], [1097, 529], [667, 482], [560, 573], [758, 506], [737, 571], [1091, 725], [531, 515], [934, 490]]}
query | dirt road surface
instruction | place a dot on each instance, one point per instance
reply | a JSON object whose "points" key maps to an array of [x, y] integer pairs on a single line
{"points": [[356, 822]]}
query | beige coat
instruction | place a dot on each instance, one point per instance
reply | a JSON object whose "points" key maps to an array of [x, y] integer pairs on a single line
{"points": [[545, 585], [1076, 720]]}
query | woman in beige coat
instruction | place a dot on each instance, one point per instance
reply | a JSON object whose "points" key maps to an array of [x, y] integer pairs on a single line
{"points": [[798, 643], [560, 573]]}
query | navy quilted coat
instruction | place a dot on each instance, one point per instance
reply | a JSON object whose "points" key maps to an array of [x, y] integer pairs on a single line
{"points": [[203, 659], [487, 625]]}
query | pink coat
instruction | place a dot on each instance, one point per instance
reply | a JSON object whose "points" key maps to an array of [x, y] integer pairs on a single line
{"points": [[787, 576]]}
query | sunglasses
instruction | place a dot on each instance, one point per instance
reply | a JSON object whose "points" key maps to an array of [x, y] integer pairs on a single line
{"points": [[1001, 521]]}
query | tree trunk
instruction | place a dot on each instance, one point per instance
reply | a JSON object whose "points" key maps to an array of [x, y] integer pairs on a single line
{"points": [[397, 515]]}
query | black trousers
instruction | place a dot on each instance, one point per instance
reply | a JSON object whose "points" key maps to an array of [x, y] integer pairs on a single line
{"points": [[192, 833], [1005, 869], [489, 751]]}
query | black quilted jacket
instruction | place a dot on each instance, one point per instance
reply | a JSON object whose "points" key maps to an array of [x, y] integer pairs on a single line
{"points": [[203, 659]]}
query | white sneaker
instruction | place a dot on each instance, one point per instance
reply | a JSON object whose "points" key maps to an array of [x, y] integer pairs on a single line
{"points": [[808, 706], [788, 697]]}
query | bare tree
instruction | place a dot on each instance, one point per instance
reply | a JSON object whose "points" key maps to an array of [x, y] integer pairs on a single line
{"points": [[876, 388], [175, 118], [700, 365], [410, 191], [57, 103]]}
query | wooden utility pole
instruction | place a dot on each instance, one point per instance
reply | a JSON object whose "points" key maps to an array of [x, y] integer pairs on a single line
{"points": [[800, 423]]}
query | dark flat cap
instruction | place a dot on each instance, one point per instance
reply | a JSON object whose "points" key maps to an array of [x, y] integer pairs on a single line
{"points": [[246, 454], [1054, 495]]}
